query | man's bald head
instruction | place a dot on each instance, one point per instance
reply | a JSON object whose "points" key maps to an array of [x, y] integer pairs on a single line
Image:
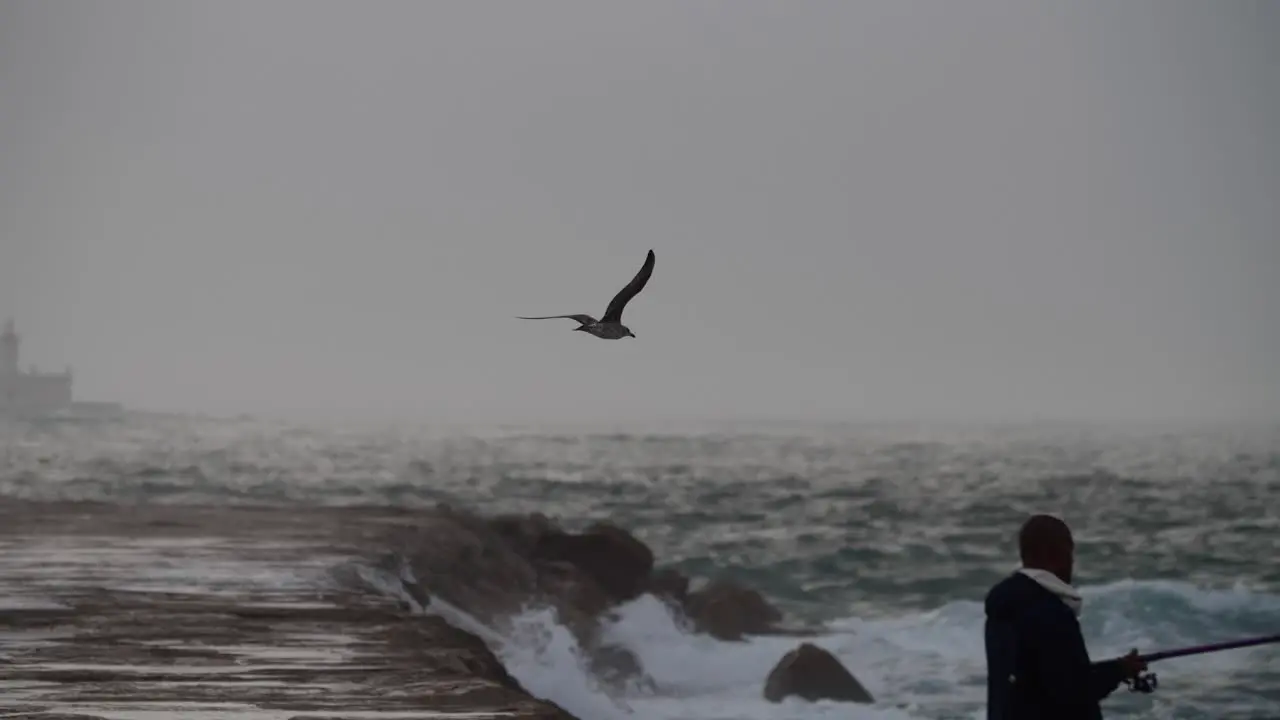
{"points": [[1045, 542]]}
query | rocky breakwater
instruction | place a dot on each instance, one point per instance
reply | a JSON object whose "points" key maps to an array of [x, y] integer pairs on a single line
{"points": [[132, 613], [494, 568]]}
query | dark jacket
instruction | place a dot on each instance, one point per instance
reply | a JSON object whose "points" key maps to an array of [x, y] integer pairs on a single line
{"points": [[1037, 664]]}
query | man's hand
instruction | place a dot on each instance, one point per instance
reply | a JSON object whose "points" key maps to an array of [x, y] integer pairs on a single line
{"points": [[1132, 665]]}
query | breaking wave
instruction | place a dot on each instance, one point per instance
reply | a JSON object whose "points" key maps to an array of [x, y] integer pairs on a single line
{"points": [[926, 665]]}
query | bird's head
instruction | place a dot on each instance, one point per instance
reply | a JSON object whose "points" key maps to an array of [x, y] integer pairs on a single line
{"points": [[628, 332]]}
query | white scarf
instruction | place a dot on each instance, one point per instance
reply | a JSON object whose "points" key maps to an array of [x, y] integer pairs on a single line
{"points": [[1054, 584]]}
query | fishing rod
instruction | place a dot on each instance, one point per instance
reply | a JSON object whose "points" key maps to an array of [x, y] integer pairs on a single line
{"points": [[1146, 683]]}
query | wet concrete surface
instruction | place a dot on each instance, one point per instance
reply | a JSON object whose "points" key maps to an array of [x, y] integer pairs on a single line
{"points": [[209, 613]]}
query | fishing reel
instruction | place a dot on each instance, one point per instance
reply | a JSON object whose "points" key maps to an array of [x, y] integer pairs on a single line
{"points": [[1144, 683]]}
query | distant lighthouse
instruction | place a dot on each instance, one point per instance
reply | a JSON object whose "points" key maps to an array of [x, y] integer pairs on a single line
{"points": [[29, 393], [9, 350]]}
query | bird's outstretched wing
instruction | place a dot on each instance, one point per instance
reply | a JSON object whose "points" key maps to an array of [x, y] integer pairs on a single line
{"points": [[582, 319], [633, 288]]}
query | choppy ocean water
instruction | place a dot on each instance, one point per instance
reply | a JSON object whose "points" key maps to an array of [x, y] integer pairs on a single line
{"points": [[886, 536]]}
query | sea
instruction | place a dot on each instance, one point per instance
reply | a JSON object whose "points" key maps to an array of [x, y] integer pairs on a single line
{"points": [[882, 538]]}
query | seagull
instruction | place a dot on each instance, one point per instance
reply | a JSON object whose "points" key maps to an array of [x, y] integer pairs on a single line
{"points": [[610, 326]]}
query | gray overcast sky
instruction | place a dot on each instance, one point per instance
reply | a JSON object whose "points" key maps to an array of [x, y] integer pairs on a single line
{"points": [[863, 209]]}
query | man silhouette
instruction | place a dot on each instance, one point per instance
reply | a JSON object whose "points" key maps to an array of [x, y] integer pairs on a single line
{"points": [[1037, 664]]}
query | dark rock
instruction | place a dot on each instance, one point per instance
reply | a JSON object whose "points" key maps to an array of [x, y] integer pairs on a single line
{"points": [[813, 674], [617, 667], [728, 611], [459, 558], [494, 568], [497, 567], [639, 554], [575, 588], [669, 584], [524, 531], [615, 559]]}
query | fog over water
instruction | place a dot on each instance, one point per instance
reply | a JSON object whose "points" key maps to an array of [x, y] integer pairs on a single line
{"points": [[877, 210]]}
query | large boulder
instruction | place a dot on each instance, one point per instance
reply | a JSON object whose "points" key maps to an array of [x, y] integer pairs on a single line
{"points": [[457, 557], [612, 557], [619, 669], [728, 611], [639, 554], [524, 532], [574, 589], [494, 568], [813, 674], [670, 585]]}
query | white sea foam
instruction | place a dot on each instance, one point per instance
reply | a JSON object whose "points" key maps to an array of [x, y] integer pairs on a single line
{"points": [[918, 666]]}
